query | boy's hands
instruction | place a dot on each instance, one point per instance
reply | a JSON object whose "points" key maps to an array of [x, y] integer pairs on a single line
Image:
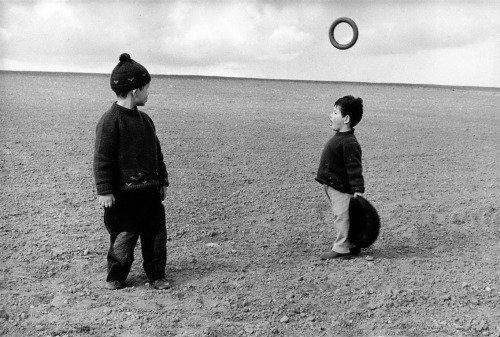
{"points": [[357, 193], [106, 200]]}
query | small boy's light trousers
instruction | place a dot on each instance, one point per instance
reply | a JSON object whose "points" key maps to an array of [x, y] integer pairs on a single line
{"points": [[134, 216], [340, 206]]}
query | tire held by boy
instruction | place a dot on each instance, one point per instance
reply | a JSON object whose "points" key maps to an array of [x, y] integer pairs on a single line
{"points": [[364, 222]]}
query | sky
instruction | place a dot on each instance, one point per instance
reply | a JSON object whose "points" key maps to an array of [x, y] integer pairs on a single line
{"points": [[441, 42]]}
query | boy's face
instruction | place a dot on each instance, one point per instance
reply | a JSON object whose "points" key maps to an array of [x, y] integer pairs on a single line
{"points": [[339, 123], [141, 96]]}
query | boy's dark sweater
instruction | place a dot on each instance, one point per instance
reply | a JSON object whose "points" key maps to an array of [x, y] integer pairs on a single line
{"points": [[127, 154], [340, 165]]}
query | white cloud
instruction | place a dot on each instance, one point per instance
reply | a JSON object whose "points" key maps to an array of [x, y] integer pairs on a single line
{"points": [[429, 26], [286, 42], [220, 33], [5, 35], [207, 34], [53, 9]]}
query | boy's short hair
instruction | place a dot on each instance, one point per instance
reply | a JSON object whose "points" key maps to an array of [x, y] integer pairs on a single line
{"points": [[351, 106], [124, 94]]}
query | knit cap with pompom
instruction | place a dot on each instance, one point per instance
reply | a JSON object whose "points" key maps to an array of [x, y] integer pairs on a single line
{"points": [[128, 75]]}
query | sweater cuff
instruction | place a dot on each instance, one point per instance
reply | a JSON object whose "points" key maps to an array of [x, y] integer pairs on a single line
{"points": [[103, 189], [360, 189], [164, 182]]}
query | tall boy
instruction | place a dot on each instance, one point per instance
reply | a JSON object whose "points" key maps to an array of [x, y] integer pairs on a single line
{"points": [[340, 171], [131, 178]]}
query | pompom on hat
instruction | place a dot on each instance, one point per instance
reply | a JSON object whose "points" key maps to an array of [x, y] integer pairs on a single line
{"points": [[128, 75]]}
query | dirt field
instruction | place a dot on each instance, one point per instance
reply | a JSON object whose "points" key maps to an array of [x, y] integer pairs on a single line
{"points": [[245, 218]]}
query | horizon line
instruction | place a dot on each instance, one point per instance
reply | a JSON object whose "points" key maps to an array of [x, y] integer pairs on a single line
{"points": [[266, 79]]}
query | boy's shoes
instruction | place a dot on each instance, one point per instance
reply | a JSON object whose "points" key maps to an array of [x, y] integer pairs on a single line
{"points": [[161, 284], [355, 250], [114, 285], [334, 255]]}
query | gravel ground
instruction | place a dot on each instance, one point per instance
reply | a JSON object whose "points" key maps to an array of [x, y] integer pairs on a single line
{"points": [[246, 220]]}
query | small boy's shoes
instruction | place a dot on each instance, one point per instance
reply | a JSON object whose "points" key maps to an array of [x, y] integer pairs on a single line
{"points": [[114, 285], [161, 284], [333, 255]]}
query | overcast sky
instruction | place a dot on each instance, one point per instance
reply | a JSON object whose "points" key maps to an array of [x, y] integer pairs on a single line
{"points": [[416, 41]]}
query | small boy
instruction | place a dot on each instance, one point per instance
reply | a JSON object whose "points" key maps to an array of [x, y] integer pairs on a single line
{"points": [[131, 178], [340, 171]]}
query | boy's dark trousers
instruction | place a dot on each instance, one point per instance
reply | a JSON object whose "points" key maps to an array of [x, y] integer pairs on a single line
{"points": [[134, 215]]}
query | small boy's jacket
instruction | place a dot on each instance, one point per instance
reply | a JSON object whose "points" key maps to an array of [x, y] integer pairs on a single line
{"points": [[340, 164], [127, 155]]}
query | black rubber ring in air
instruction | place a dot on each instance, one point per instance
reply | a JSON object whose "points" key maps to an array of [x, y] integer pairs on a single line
{"points": [[351, 23]]}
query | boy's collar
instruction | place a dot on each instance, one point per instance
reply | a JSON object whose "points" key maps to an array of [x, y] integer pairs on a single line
{"points": [[346, 132], [123, 108]]}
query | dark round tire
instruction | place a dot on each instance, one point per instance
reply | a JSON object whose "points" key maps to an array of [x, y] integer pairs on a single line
{"points": [[364, 222], [355, 32]]}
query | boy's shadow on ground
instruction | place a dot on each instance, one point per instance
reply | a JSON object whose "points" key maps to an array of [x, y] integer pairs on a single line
{"points": [[392, 251], [182, 271], [402, 251]]}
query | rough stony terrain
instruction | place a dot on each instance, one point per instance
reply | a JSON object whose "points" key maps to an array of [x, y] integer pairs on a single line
{"points": [[246, 220]]}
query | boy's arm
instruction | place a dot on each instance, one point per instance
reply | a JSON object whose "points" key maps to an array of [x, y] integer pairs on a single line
{"points": [[105, 154], [354, 168], [162, 168]]}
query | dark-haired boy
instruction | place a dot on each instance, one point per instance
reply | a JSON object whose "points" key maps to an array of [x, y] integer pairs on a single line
{"points": [[341, 172], [131, 178]]}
